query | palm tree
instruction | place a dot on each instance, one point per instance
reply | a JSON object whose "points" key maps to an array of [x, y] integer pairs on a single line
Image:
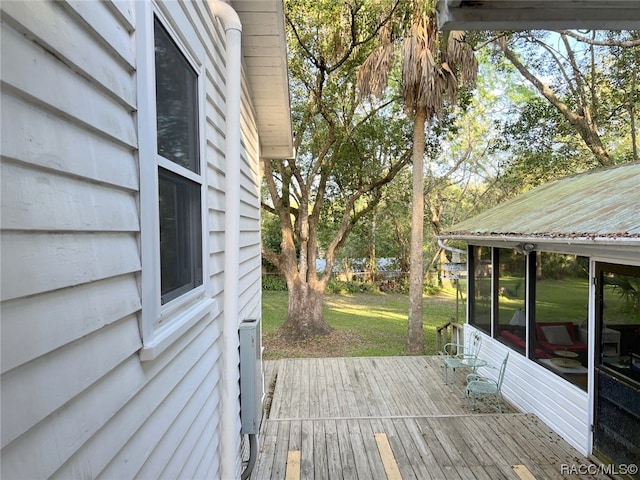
{"points": [[433, 65]]}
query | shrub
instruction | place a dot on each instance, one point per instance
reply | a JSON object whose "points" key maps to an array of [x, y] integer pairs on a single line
{"points": [[343, 287], [274, 283]]}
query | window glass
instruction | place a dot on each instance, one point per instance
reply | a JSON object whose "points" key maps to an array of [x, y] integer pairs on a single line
{"points": [[176, 103], [179, 196], [561, 313], [481, 288], [620, 311], [180, 237], [511, 298]]}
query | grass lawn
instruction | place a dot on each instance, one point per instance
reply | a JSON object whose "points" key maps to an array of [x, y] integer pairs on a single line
{"points": [[365, 324]]}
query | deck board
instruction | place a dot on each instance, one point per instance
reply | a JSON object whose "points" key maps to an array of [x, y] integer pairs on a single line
{"points": [[330, 409]]}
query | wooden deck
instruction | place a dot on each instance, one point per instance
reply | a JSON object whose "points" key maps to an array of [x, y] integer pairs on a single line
{"points": [[393, 417]]}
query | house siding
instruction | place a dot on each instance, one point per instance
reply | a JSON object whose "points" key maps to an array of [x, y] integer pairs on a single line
{"points": [[532, 388], [77, 401]]}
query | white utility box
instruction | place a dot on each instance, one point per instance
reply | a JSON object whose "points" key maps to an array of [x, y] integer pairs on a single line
{"points": [[251, 376]]}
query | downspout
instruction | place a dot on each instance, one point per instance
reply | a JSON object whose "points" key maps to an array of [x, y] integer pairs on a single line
{"points": [[229, 421]]}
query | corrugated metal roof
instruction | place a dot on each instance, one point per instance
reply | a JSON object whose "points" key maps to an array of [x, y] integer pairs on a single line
{"points": [[603, 203]]}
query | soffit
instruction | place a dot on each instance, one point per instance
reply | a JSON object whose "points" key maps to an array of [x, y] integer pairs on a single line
{"points": [[538, 14], [598, 206], [264, 48]]}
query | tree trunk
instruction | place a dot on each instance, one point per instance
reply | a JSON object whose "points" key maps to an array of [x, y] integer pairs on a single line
{"points": [[415, 333], [304, 314]]}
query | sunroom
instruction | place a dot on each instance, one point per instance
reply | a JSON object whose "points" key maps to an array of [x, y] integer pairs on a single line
{"points": [[554, 277]]}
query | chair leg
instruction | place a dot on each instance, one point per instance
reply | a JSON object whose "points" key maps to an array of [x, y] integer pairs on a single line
{"points": [[471, 399]]}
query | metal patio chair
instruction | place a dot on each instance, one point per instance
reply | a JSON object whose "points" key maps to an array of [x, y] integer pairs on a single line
{"points": [[458, 356], [482, 388]]}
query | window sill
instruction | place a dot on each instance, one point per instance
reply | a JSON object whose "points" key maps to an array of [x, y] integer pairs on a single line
{"points": [[166, 335]]}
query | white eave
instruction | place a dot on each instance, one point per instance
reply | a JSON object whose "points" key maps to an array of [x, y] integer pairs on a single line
{"points": [[538, 14], [264, 48]]}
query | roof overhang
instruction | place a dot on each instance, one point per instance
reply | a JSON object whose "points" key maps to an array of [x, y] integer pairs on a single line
{"points": [[538, 14], [264, 48]]}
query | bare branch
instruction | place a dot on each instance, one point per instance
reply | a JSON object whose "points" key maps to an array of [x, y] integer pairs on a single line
{"points": [[602, 43], [587, 131]]}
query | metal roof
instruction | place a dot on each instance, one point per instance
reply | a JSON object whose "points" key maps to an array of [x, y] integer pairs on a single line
{"points": [[264, 48], [602, 204]]}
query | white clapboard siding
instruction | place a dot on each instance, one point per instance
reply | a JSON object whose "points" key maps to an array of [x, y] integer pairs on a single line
{"points": [[61, 90], [28, 136], [88, 447], [62, 316], [170, 458], [54, 30], [69, 229], [157, 381], [180, 25], [173, 417], [115, 35], [250, 259], [215, 106], [36, 262], [48, 201], [533, 388], [123, 10], [77, 400], [83, 362], [40, 451]]}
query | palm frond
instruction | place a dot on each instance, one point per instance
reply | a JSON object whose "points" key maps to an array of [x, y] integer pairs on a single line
{"points": [[373, 74]]}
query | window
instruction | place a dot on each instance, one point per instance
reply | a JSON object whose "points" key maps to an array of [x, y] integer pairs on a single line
{"points": [[551, 288], [511, 287], [172, 182], [179, 182], [561, 315], [176, 103], [180, 235], [618, 321], [510, 299], [480, 288]]}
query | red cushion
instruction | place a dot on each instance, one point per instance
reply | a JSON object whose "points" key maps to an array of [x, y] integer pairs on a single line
{"points": [[569, 325], [513, 338], [577, 346], [522, 343]]}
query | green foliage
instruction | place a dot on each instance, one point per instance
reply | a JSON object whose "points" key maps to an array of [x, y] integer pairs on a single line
{"points": [[432, 289], [274, 283], [346, 150], [559, 266], [344, 287], [542, 146], [595, 82], [271, 236], [628, 289]]}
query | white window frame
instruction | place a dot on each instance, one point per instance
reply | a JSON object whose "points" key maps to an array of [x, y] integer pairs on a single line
{"points": [[161, 325]]}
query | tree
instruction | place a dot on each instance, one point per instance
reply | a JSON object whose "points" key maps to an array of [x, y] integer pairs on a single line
{"points": [[432, 67], [589, 82], [346, 152]]}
